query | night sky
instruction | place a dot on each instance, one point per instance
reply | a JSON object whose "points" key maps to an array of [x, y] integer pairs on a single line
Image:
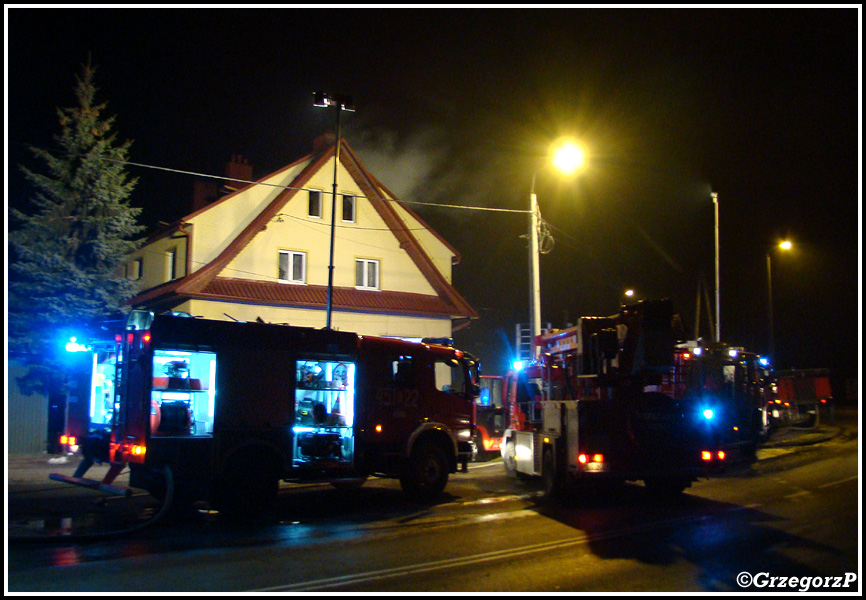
{"points": [[460, 107]]}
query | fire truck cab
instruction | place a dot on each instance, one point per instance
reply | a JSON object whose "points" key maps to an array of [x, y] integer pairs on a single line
{"points": [[223, 411]]}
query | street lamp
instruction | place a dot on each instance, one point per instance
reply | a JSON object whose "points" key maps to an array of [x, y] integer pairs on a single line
{"points": [[785, 245], [718, 302], [342, 103], [568, 157]]}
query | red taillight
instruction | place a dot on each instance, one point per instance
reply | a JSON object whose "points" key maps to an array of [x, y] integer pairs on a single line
{"points": [[707, 455], [586, 458]]}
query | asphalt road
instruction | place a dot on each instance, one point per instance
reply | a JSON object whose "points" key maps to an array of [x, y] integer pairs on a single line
{"points": [[791, 513]]}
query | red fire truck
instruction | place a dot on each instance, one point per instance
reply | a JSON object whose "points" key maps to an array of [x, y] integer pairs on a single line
{"points": [[223, 411], [734, 385], [490, 415], [606, 402], [802, 395]]}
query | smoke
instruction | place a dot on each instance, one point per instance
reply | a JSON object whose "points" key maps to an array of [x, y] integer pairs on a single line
{"points": [[405, 164]]}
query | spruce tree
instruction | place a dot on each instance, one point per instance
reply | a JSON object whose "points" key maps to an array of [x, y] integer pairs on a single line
{"points": [[67, 254]]}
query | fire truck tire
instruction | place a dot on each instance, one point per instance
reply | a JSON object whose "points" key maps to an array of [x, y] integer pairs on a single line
{"points": [[509, 460], [426, 472], [552, 478], [478, 453]]}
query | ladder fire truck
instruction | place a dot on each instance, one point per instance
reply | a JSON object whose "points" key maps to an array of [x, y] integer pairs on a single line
{"points": [[605, 401], [223, 411]]}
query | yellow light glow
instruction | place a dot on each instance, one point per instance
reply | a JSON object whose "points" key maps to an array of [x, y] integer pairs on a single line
{"points": [[568, 157], [786, 245]]}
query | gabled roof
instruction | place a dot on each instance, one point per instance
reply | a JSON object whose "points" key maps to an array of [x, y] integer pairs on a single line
{"points": [[205, 283]]}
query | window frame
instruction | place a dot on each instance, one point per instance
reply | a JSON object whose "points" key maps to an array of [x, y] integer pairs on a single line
{"points": [[171, 263], [353, 204], [319, 202], [364, 284], [290, 254], [136, 269]]}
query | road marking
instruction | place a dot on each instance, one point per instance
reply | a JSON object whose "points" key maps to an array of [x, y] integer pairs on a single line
{"points": [[840, 482], [439, 565]]}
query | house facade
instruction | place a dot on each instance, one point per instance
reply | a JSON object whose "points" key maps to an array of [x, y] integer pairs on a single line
{"points": [[263, 252]]}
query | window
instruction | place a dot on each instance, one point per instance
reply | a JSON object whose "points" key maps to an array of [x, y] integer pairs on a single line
{"points": [[134, 271], [367, 274], [171, 264], [403, 372], [293, 267], [450, 376], [324, 412], [315, 207], [348, 208], [183, 394]]}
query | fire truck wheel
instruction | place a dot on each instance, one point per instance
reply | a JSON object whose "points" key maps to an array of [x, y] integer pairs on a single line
{"points": [[551, 478], [509, 460], [478, 452], [426, 472]]}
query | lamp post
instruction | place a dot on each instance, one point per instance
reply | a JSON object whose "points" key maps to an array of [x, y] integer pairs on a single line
{"points": [[786, 245], [341, 103], [567, 158], [718, 302]]}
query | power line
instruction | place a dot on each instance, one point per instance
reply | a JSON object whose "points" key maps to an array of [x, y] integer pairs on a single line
{"points": [[287, 187]]}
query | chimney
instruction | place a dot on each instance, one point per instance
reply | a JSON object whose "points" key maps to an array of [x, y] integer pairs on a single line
{"points": [[203, 193], [238, 168]]}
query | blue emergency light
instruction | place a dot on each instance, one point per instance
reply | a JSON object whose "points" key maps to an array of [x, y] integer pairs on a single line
{"points": [[73, 346]]}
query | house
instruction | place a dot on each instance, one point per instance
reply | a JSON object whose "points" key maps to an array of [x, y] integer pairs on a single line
{"points": [[263, 252]]}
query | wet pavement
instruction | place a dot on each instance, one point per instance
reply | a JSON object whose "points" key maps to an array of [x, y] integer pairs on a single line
{"points": [[40, 508]]}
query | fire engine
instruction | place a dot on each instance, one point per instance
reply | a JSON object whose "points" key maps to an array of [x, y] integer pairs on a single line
{"points": [[802, 395], [605, 402], [732, 384], [490, 414], [223, 411]]}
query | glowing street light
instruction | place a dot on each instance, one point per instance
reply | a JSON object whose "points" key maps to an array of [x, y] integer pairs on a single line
{"points": [[568, 157], [785, 245]]}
